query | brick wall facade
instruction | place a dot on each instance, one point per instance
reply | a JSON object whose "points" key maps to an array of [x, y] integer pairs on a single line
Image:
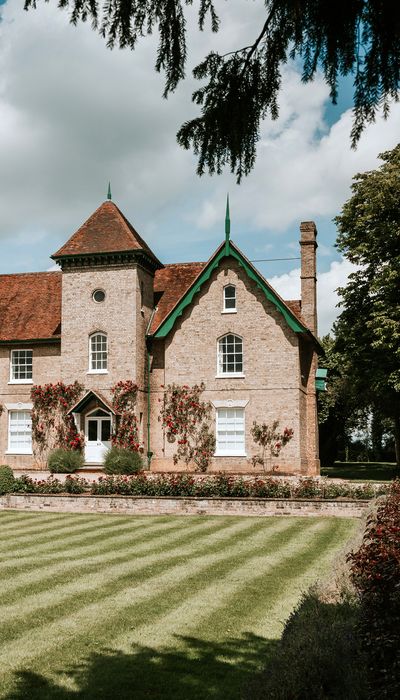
{"points": [[271, 387]]}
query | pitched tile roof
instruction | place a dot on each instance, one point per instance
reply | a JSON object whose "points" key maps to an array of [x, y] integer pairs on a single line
{"points": [[30, 303], [170, 284], [30, 306], [105, 231]]}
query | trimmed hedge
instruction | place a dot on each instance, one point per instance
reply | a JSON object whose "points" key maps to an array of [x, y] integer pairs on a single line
{"points": [[62, 461], [120, 460], [6, 479]]}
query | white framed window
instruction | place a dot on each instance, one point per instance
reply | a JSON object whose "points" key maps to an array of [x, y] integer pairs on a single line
{"points": [[98, 353], [21, 362], [230, 356], [20, 432], [230, 440], [229, 299]]}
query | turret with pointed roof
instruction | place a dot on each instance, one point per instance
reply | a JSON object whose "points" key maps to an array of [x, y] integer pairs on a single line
{"points": [[107, 236]]}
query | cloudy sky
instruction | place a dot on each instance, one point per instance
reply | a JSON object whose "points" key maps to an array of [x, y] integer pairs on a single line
{"points": [[74, 115]]}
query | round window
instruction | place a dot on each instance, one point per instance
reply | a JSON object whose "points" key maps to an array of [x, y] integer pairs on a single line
{"points": [[98, 295]]}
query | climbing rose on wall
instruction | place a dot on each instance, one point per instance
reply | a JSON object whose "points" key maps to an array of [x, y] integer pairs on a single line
{"points": [[51, 426], [270, 440], [187, 421], [124, 403]]}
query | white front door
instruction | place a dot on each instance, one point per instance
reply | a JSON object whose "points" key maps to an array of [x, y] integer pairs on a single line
{"points": [[98, 434]]}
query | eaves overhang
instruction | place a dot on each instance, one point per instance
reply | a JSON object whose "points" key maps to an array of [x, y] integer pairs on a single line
{"points": [[120, 257]]}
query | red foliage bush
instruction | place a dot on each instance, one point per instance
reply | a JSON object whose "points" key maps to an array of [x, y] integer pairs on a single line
{"points": [[375, 570]]}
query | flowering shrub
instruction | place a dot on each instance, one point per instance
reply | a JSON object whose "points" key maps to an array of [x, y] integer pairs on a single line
{"points": [[124, 402], [51, 426], [185, 485], [187, 421], [270, 440], [375, 570], [218, 485], [24, 484]]}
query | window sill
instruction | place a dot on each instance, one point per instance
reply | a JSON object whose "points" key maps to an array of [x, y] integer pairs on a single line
{"points": [[97, 371], [230, 454], [20, 381], [11, 452], [229, 311], [230, 375]]}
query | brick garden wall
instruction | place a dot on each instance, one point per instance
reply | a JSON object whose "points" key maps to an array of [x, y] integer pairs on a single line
{"points": [[164, 505]]}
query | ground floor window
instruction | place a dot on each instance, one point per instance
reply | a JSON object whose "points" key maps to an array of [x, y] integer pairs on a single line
{"points": [[20, 432], [230, 432]]}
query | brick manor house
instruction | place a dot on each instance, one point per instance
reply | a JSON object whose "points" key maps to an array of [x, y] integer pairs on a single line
{"points": [[115, 312]]}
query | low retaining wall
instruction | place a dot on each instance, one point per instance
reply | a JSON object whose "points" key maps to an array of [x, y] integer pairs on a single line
{"points": [[166, 505]]}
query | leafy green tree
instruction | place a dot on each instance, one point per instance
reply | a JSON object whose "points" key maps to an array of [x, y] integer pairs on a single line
{"points": [[368, 328], [346, 37], [338, 413]]}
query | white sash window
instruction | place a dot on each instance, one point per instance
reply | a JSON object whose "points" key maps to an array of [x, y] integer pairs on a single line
{"points": [[230, 432]]}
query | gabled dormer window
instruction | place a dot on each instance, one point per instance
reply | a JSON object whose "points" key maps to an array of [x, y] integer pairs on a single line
{"points": [[98, 352], [229, 299], [21, 366]]}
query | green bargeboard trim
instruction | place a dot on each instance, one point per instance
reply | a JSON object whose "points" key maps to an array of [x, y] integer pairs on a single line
{"points": [[226, 251]]}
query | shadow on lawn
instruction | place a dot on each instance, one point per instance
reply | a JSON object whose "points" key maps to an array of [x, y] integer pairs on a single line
{"points": [[195, 670]]}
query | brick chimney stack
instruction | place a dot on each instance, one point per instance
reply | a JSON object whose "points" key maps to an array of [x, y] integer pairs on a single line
{"points": [[308, 247]]}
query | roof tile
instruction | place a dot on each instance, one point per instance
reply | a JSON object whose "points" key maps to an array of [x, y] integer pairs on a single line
{"points": [[30, 306], [105, 231], [170, 284]]}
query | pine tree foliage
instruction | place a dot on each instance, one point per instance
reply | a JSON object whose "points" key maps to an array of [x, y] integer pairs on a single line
{"points": [[346, 37]]}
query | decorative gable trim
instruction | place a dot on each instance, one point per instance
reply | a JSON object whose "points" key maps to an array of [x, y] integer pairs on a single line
{"points": [[87, 398], [228, 249]]}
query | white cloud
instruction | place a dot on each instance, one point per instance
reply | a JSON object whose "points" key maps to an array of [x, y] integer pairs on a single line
{"points": [[288, 286], [74, 115]]}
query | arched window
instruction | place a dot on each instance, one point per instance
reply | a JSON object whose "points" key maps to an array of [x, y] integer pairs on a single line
{"points": [[98, 352], [230, 298], [230, 354]]}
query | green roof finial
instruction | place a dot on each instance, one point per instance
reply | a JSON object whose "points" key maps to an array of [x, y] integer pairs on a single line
{"points": [[109, 191], [227, 226]]}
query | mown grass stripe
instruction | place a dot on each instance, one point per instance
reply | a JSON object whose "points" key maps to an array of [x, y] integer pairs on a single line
{"points": [[116, 607], [315, 567], [88, 537], [292, 570], [205, 603], [18, 524], [65, 533], [8, 518], [154, 537], [117, 574]]}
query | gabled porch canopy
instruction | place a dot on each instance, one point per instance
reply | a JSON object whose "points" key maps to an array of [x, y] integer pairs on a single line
{"points": [[88, 398]]}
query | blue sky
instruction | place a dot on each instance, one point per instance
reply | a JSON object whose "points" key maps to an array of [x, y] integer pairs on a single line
{"points": [[74, 115]]}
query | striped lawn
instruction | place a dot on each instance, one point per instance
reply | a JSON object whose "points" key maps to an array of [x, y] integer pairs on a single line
{"points": [[139, 608]]}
